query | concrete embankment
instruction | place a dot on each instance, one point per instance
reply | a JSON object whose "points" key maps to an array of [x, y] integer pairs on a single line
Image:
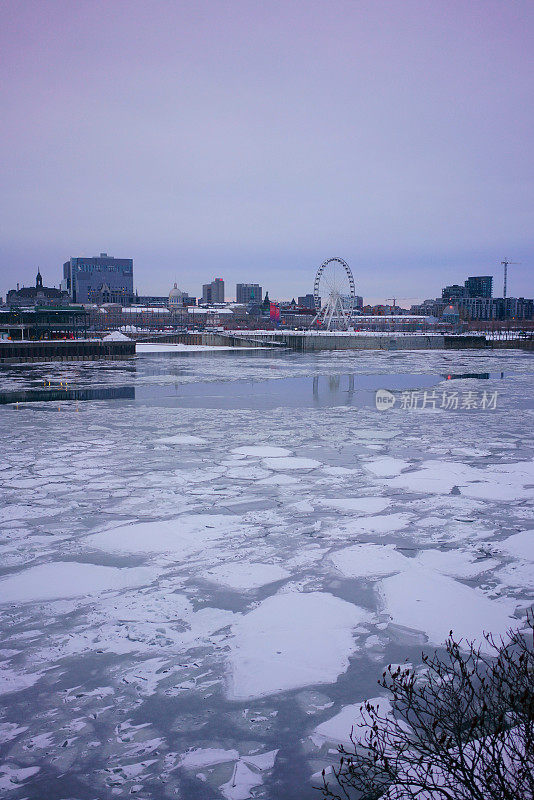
{"points": [[305, 342], [65, 350]]}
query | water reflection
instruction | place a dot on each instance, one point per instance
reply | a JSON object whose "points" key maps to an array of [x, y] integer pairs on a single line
{"points": [[326, 390], [479, 375], [54, 394]]}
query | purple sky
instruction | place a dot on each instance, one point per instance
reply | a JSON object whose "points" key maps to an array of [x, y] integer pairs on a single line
{"points": [[252, 140]]}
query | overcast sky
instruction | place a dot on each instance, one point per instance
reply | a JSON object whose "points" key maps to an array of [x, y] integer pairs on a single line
{"points": [[252, 140]]}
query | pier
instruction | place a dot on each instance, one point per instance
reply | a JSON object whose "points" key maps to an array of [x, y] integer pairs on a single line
{"points": [[65, 350]]}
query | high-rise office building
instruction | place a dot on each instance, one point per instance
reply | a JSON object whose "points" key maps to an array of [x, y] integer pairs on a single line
{"points": [[248, 293], [213, 292], [100, 279], [453, 292], [306, 301], [479, 286]]}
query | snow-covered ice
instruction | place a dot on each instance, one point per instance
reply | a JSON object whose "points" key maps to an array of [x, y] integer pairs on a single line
{"points": [[386, 467], [520, 545], [291, 640], [69, 579], [337, 729], [385, 523], [457, 563], [262, 451], [356, 505], [291, 463], [184, 535], [219, 565], [245, 575], [435, 604], [181, 438], [369, 560]]}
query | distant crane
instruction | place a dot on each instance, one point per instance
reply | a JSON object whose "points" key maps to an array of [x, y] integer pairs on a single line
{"points": [[505, 265], [394, 299]]}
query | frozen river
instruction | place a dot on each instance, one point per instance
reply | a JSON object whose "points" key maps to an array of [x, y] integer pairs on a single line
{"points": [[207, 559]]}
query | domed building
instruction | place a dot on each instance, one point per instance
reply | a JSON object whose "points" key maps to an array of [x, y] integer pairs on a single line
{"points": [[176, 297]]}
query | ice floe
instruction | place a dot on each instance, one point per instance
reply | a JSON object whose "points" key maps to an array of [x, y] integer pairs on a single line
{"points": [[184, 535], [520, 545], [457, 563], [435, 604], [262, 451], [14, 777], [385, 523], [69, 579], [291, 640], [337, 729], [203, 757], [181, 438], [369, 561], [291, 463], [350, 505], [386, 467], [242, 575]]}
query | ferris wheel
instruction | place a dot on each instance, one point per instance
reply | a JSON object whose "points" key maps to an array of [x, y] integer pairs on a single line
{"points": [[334, 284]]}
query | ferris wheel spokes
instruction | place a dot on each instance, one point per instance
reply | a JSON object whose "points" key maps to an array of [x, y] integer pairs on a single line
{"points": [[334, 280]]}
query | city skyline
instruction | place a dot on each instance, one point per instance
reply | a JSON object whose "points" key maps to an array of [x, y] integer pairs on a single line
{"points": [[229, 296], [253, 141]]}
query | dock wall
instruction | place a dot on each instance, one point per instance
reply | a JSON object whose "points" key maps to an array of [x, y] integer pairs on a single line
{"points": [[65, 350]]}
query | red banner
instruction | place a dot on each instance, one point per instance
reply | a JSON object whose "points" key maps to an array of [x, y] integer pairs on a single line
{"points": [[274, 312]]}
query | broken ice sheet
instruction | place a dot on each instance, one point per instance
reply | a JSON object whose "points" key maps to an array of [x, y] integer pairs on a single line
{"points": [[241, 575], [427, 601], [184, 535], [262, 451], [181, 438], [369, 561], [289, 463], [101, 469], [337, 729], [69, 579], [457, 563], [247, 771], [273, 647], [386, 467], [353, 505]]}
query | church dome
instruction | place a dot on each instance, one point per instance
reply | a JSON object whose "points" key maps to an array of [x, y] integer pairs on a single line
{"points": [[176, 295]]}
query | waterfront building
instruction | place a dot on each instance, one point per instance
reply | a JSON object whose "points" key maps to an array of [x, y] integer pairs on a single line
{"points": [[100, 279], [248, 293], [479, 286], [475, 286], [37, 295], [307, 301], [25, 324], [176, 297], [452, 293], [480, 308], [213, 292], [451, 314], [179, 299], [151, 300]]}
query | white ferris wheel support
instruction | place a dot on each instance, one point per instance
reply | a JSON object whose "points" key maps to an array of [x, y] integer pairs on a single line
{"points": [[334, 279]]}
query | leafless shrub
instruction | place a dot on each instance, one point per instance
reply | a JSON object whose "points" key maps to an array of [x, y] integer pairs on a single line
{"points": [[462, 728]]}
